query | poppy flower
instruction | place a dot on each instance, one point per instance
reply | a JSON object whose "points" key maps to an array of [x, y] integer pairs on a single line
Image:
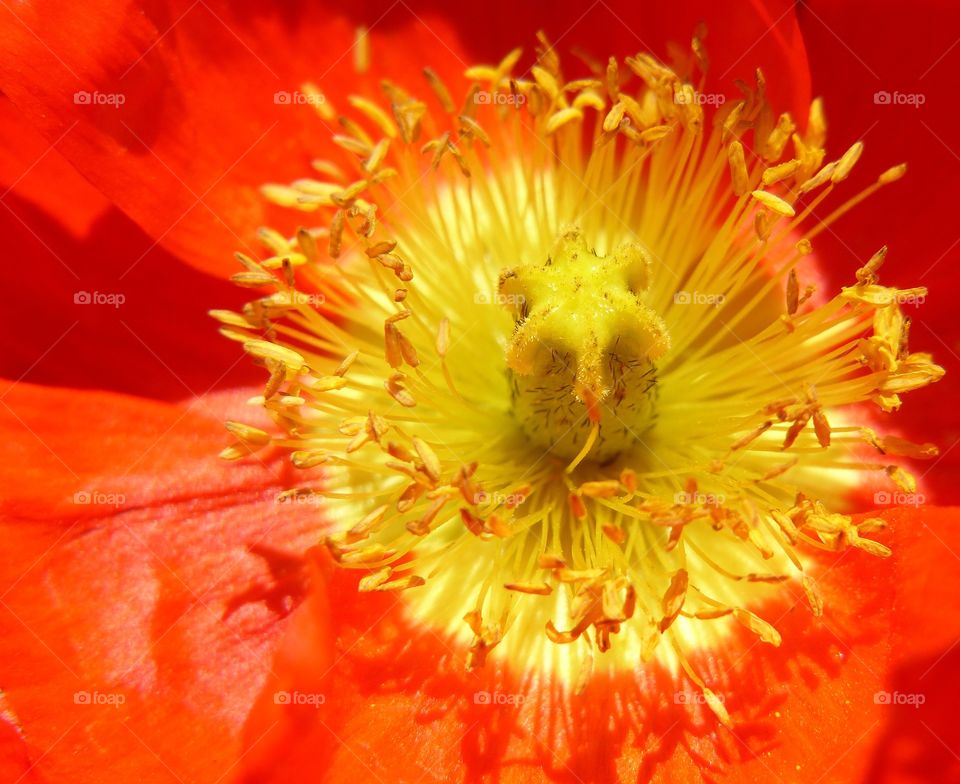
{"points": [[576, 396]]}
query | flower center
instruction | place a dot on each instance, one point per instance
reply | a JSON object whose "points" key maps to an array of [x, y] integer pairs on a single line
{"points": [[554, 361], [582, 351]]}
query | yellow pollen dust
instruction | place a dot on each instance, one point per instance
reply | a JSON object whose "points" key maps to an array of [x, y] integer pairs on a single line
{"points": [[554, 355]]}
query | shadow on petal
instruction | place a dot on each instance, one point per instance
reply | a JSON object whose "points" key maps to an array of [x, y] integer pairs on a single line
{"points": [[398, 703]]}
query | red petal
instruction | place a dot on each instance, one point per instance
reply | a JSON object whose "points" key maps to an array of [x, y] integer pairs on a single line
{"points": [[32, 169], [136, 626], [762, 34], [198, 130], [71, 245], [912, 54]]}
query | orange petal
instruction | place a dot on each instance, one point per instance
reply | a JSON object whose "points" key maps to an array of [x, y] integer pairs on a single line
{"points": [[399, 705], [136, 624]]}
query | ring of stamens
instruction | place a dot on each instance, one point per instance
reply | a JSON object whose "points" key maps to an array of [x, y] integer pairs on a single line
{"points": [[552, 359]]}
